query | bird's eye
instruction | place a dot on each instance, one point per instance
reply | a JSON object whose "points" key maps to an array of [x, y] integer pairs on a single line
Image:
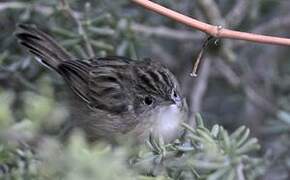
{"points": [[148, 100], [174, 94]]}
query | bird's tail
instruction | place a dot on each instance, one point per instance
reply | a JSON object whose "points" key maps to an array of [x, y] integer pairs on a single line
{"points": [[48, 51]]}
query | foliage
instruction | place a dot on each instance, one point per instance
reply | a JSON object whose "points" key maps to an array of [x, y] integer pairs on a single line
{"points": [[205, 154], [201, 154]]}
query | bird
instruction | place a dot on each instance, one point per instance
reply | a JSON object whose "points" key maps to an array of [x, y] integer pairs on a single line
{"points": [[112, 96]]}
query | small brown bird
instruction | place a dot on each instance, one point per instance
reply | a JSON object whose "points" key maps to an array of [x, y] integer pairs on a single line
{"points": [[113, 95]]}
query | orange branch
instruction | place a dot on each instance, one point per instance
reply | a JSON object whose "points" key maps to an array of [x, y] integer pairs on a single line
{"points": [[216, 31]]}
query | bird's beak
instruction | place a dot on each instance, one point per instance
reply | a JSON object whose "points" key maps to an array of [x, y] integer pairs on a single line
{"points": [[178, 103]]}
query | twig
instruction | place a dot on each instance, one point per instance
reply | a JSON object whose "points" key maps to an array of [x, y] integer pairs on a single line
{"points": [[274, 24], [211, 11], [211, 29], [165, 32], [277, 23], [81, 30], [199, 57]]}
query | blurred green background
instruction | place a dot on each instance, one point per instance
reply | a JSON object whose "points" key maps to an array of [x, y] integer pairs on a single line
{"points": [[239, 83]]}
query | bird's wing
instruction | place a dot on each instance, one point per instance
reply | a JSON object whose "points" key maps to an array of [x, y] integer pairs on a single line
{"points": [[101, 84], [108, 85], [76, 74]]}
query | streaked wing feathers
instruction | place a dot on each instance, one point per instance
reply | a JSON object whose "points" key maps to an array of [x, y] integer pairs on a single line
{"points": [[108, 88], [76, 74]]}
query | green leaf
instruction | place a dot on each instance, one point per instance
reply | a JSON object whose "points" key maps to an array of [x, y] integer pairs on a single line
{"points": [[199, 121], [215, 130], [225, 139], [218, 174], [250, 145], [237, 132], [244, 138], [102, 45], [205, 136]]}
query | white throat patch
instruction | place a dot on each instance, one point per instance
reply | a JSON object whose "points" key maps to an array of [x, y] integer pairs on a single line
{"points": [[167, 124]]}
